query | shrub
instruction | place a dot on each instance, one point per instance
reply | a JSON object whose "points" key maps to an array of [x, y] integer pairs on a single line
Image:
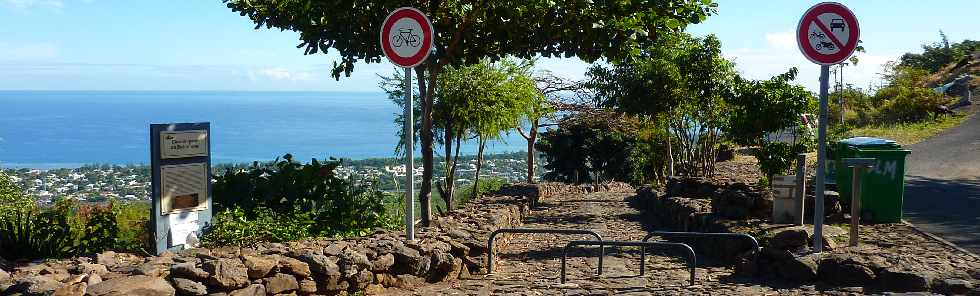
{"points": [[488, 185], [599, 148], [777, 157], [11, 197], [288, 200], [29, 234], [68, 228], [133, 221], [905, 99], [236, 227]]}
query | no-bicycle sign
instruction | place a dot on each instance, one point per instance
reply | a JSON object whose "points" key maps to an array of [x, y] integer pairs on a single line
{"points": [[828, 33], [406, 37]]}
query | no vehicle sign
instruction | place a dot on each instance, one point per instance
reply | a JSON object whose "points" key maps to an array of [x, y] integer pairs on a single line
{"points": [[406, 37], [828, 33]]}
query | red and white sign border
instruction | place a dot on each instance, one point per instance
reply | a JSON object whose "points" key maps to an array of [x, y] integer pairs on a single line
{"points": [[428, 33], [845, 51]]}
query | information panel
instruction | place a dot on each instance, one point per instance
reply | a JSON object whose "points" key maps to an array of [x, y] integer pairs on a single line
{"points": [[183, 144], [183, 188]]}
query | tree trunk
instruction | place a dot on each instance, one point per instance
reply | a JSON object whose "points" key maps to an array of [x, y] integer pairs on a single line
{"points": [[531, 135], [447, 190], [479, 165], [425, 190], [670, 154], [530, 152]]}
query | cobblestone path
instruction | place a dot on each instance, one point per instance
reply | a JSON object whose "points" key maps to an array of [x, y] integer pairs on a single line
{"points": [[530, 264]]}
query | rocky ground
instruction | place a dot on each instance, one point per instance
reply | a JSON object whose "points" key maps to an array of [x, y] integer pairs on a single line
{"points": [[531, 265]]}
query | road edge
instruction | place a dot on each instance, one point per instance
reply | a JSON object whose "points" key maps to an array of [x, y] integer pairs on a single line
{"points": [[939, 239]]}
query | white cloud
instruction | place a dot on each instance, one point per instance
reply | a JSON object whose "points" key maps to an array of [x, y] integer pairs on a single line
{"points": [[763, 63], [27, 4], [279, 73], [28, 51], [784, 40]]}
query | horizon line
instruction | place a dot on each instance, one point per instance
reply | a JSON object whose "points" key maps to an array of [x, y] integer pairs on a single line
{"points": [[181, 90]]}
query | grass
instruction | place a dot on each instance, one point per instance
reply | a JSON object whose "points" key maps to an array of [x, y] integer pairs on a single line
{"points": [[910, 133]]}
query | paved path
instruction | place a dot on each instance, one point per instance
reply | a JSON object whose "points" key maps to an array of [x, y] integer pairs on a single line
{"points": [[942, 189], [530, 264]]}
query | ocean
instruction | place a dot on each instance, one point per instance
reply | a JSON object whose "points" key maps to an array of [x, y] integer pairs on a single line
{"points": [[53, 129]]}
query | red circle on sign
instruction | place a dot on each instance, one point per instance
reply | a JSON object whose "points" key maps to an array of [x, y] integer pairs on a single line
{"points": [[427, 35], [802, 30]]}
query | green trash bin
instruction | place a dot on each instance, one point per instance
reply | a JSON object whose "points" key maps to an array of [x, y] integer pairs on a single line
{"points": [[883, 185]]}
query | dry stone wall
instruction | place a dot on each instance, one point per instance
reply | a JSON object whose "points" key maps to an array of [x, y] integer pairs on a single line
{"points": [[453, 247], [892, 258]]}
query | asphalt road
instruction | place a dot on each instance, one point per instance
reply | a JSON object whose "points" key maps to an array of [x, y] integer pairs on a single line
{"points": [[942, 187]]}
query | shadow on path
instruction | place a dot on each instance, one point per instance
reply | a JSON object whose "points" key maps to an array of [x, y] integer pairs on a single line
{"points": [[948, 208]]}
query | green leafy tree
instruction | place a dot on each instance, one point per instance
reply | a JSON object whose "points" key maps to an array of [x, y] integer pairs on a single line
{"points": [[759, 108], [679, 82], [538, 108], [600, 146], [469, 31], [490, 98]]}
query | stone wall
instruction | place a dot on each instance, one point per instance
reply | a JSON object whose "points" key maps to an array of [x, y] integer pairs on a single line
{"points": [[698, 205], [453, 247], [543, 191]]}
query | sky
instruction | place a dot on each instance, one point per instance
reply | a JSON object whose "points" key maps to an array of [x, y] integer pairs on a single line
{"points": [[202, 45]]}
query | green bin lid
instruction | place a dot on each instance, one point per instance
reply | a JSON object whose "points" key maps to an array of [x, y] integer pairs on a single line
{"points": [[870, 142]]}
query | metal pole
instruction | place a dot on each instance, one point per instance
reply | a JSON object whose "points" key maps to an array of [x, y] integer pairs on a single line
{"points": [[821, 162], [841, 94], [855, 204], [409, 159], [800, 187]]}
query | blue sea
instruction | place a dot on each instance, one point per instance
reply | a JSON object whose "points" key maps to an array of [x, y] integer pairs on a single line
{"points": [[51, 129]]}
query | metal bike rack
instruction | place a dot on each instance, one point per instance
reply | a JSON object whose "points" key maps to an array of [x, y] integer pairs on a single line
{"points": [[691, 257], [694, 235], [494, 234]]}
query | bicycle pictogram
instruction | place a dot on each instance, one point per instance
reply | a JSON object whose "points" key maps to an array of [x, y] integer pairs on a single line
{"points": [[405, 37]]}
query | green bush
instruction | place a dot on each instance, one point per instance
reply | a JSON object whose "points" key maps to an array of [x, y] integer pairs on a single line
{"points": [[777, 157], [486, 185], [236, 227], [11, 197], [68, 228], [29, 234], [905, 99], [288, 200], [133, 221], [603, 148]]}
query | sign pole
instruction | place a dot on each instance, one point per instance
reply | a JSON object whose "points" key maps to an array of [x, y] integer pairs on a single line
{"points": [[406, 38], [821, 161], [827, 34], [409, 159]]}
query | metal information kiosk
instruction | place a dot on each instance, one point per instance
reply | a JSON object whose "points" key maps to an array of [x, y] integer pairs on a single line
{"points": [[180, 156]]}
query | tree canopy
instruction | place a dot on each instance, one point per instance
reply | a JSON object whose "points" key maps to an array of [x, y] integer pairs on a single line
{"points": [[467, 31]]}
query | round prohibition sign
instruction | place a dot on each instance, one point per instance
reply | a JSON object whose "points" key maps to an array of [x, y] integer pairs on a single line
{"points": [[828, 33], [406, 37]]}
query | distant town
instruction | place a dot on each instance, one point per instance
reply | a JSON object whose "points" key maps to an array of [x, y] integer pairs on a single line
{"points": [[101, 183]]}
